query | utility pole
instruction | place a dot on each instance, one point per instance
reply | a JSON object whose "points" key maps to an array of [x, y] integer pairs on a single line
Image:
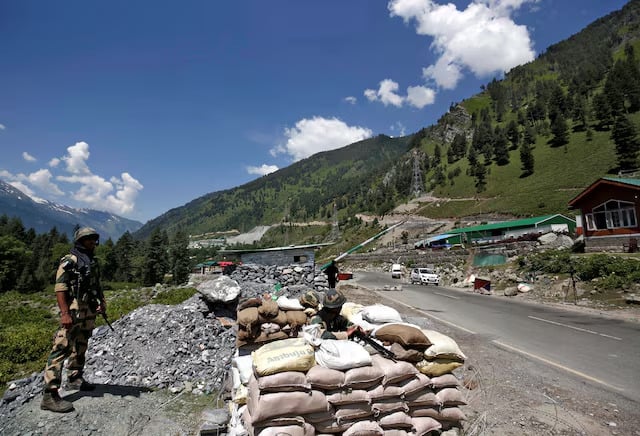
{"points": [[417, 175]]}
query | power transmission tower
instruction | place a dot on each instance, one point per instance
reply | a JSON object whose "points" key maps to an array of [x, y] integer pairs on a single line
{"points": [[417, 175]]}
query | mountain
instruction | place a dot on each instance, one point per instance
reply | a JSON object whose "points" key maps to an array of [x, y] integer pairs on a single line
{"points": [[43, 216], [524, 146]]}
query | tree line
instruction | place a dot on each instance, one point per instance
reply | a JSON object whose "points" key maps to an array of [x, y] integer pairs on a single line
{"points": [[28, 261]]}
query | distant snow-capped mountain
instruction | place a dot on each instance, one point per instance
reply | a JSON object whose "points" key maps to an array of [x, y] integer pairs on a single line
{"points": [[43, 215]]}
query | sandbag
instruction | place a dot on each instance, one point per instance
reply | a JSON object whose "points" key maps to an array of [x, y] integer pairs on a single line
{"points": [[245, 367], [385, 392], [286, 303], [342, 355], [437, 367], [280, 318], [396, 420], [268, 406], [442, 346], [396, 433], [248, 317], [287, 381], [268, 308], [331, 426], [382, 407], [394, 372], [407, 355], [324, 416], [341, 397], [363, 377], [406, 335], [292, 354], [349, 309], [249, 302], [296, 318], [450, 397], [262, 338], [364, 428], [325, 378], [380, 314], [449, 414], [357, 319], [423, 425], [269, 327], [289, 430], [423, 399], [445, 381], [353, 411], [415, 385]]}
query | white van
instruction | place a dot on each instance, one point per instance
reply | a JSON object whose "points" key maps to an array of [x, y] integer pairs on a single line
{"points": [[396, 271]]}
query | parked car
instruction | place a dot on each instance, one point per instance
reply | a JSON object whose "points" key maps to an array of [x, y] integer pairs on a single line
{"points": [[396, 271], [424, 276]]}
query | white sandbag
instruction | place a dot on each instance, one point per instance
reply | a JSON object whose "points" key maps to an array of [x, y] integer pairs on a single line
{"points": [[244, 364], [357, 319], [293, 354], [342, 355], [379, 314], [442, 346], [286, 303], [349, 309], [235, 378]]}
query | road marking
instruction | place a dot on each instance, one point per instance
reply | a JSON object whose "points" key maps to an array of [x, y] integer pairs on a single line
{"points": [[557, 365], [576, 328], [448, 296], [428, 314]]}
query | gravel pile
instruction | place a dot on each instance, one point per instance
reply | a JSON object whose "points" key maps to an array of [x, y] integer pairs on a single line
{"points": [[180, 348]]}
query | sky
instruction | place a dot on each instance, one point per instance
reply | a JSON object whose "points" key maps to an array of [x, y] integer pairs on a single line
{"points": [[136, 108]]}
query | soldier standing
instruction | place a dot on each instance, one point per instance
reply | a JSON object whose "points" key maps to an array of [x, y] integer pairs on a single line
{"points": [[332, 274], [80, 298]]}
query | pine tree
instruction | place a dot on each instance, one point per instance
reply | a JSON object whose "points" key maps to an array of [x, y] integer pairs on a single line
{"points": [[602, 110], [513, 133], [480, 173], [179, 255], [529, 135], [624, 135], [527, 159], [500, 151], [560, 131]]}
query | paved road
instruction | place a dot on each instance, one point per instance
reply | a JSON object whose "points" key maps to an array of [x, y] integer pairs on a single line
{"points": [[600, 350]]}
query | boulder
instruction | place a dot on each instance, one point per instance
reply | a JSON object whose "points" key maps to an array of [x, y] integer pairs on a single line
{"points": [[221, 290]]}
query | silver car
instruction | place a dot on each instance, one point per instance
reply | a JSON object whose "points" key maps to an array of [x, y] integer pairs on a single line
{"points": [[424, 276]]}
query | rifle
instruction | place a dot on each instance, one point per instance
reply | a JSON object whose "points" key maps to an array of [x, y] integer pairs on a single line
{"points": [[96, 294], [375, 345]]}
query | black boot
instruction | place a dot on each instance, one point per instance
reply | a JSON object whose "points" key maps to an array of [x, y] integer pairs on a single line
{"points": [[52, 401], [80, 384]]}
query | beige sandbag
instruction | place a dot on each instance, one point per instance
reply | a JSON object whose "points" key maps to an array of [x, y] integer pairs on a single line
{"points": [[274, 405], [390, 405], [406, 354], [262, 338], [380, 314], [296, 318], [240, 395], [268, 308], [364, 428], [249, 302], [385, 392], [289, 430], [415, 385], [363, 377], [445, 381], [325, 378], [293, 354], [279, 318], [437, 367], [423, 425], [324, 416], [450, 414], [353, 411], [349, 309], [450, 397], [394, 372], [341, 397], [287, 381], [423, 399], [395, 433], [331, 426], [396, 420], [248, 317], [406, 335], [442, 346]]}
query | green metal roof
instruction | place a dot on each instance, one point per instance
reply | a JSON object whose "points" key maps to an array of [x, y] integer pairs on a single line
{"points": [[525, 222], [634, 182]]}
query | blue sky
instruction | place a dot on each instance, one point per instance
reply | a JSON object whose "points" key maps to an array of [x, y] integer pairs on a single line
{"points": [[140, 107]]}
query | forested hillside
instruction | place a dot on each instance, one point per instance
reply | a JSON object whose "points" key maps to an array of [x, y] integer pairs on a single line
{"points": [[525, 145]]}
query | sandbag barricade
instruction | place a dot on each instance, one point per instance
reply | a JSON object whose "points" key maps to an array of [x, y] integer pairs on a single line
{"points": [[298, 388]]}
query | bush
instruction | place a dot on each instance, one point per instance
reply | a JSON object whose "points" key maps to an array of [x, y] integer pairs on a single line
{"points": [[173, 296]]}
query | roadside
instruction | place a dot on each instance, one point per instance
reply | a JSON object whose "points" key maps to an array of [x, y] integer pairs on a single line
{"points": [[511, 395]]}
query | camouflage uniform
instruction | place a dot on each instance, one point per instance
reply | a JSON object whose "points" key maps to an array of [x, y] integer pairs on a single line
{"points": [[83, 302], [334, 325]]}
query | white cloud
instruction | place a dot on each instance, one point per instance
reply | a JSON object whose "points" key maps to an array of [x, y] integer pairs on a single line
{"points": [[481, 38], [54, 162], [2, 127], [351, 99], [420, 96], [41, 179], [26, 156], [310, 136], [386, 93], [76, 158], [262, 170]]}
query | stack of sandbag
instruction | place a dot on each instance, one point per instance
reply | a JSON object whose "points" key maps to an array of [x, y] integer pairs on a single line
{"points": [[369, 317], [434, 357], [265, 319]]}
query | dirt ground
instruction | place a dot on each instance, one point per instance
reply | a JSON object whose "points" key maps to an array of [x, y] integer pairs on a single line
{"points": [[508, 394]]}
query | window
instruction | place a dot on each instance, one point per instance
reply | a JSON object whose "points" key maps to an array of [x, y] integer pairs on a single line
{"points": [[300, 259], [612, 215]]}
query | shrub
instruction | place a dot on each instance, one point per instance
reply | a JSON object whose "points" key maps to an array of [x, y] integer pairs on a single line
{"points": [[173, 296]]}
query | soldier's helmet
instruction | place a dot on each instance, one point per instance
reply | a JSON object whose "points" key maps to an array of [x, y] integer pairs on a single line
{"points": [[333, 299], [310, 299], [85, 232]]}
